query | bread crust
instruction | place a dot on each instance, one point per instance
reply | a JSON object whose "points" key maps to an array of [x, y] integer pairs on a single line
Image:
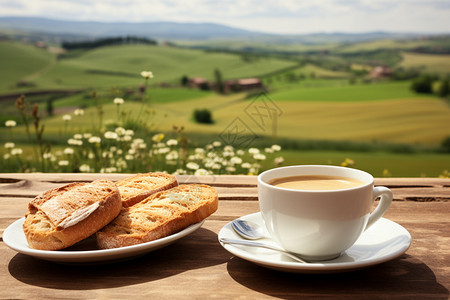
{"points": [[140, 186], [162, 214], [41, 233]]}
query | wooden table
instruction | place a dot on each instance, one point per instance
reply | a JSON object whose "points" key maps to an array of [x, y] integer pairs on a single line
{"points": [[197, 266]]}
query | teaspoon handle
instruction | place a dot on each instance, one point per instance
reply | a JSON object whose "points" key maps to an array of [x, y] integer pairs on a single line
{"points": [[261, 245]]}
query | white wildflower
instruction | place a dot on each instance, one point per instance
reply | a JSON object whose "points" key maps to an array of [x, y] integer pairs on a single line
{"points": [[68, 151], [276, 147], [199, 150], [126, 138], [94, 140], [63, 163], [180, 172], [164, 150], [192, 166], [129, 157], [279, 160], [78, 112], [118, 101], [216, 166], [9, 145], [236, 160], [121, 164], [6, 156], [259, 156], [87, 135], [75, 142], [253, 150], [67, 118], [138, 141], [172, 155], [10, 123], [201, 172], [120, 131], [246, 165], [230, 169], [216, 144], [172, 142], [85, 168], [147, 74], [111, 135], [16, 151], [269, 150]]}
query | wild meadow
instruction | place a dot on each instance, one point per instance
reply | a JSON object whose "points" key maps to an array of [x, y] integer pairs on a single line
{"points": [[125, 144], [110, 118]]}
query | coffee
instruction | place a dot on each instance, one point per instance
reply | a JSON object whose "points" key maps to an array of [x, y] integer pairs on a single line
{"points": [[316, 182]]}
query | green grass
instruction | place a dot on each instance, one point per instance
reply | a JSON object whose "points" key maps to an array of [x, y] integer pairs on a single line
{"points": [[19, 61], [417, 120], [431, 63], [347, 93], [121, 65], [104, 66]]}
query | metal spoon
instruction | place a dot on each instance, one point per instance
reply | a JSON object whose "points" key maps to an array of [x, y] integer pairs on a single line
{"points": [[252, 231], [248, 230], [261, 245]]}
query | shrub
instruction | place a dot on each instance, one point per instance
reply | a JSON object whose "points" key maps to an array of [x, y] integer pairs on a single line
{"points": [[203, 116], [423, 84], [446, 144]]}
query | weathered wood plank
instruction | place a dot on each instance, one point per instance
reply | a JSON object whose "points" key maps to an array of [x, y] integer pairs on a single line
{"points": [[216, 180]]}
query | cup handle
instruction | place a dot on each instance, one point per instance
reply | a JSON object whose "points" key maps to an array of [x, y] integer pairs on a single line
{"points": [[386, 197]]}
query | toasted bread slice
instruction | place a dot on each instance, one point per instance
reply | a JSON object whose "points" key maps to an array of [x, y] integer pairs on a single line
{"points": [[66, 215], [159, 215], [138, 187]]}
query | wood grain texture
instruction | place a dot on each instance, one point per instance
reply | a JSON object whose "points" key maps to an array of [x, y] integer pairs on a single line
{"points": [[198, 267]]}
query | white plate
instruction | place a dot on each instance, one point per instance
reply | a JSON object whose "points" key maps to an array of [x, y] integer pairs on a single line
{"points": [[384, 241], [14, 238]]}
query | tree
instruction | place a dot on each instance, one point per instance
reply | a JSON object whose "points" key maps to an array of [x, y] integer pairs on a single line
{"points": [[184, 80], [444, 88], [423, 84], [219, 81]]}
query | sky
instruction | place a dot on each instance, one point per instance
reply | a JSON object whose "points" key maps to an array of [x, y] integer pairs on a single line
{"points": [[270, 16]]}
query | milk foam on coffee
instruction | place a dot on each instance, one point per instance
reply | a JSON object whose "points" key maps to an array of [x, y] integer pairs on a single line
{"points": [[316, 182]]}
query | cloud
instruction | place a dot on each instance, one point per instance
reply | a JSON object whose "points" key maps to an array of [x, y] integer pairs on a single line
{"points": [[281, 16]]}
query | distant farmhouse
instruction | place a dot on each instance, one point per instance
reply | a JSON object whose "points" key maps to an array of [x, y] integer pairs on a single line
{"points": [[381, 72], [230, 86]]}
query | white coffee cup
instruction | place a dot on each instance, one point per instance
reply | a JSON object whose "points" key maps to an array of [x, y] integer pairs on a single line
{"points": [[319, 224]]}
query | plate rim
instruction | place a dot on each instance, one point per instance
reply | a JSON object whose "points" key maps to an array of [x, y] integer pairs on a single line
{"points": [[99, 255], [319, 267]]}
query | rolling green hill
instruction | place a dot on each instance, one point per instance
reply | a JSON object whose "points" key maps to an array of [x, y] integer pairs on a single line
{"points": [[19, 62], [121, 66]]}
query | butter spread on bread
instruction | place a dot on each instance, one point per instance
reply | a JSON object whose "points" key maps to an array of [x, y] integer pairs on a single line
{"points": [[159, 215], [66, 215], [138, 187]]}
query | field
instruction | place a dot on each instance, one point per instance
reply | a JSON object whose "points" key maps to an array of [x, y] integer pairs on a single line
{"points": [[432, 63], [120, 66], [383, 118]]}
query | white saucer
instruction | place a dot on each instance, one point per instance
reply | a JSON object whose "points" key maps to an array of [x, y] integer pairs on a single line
{"points": [[382, 242], [14, 238]]}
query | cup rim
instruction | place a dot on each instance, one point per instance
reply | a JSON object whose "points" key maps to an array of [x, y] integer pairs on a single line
{"points": [[264, 183]]}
